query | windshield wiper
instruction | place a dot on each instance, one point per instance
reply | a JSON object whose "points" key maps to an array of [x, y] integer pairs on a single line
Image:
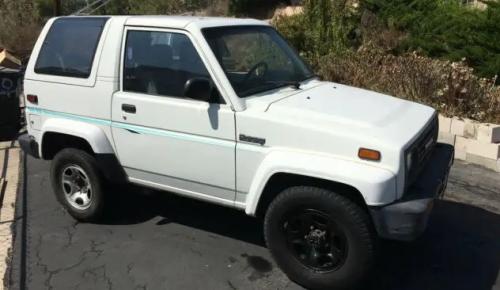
{"points": [[276, 85], [295, 84]]}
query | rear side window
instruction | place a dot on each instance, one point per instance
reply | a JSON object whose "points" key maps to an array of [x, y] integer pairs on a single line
{"points": [[69, 47]]}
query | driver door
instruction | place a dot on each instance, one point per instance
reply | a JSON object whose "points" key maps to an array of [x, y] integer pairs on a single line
{"points": [[162, 138]]}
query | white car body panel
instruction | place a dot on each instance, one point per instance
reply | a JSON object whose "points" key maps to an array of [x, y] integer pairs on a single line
{"points": [[338, 120], [193, 148], [183, 134], [109, 60], [96, 135], [378, 190]]}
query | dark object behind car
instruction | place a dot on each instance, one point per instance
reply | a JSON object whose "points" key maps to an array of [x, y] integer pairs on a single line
{"points": [[10, 114]]}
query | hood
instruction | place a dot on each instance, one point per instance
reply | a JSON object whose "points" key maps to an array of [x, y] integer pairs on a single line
{"points": [[353, 111], [334, 120]]}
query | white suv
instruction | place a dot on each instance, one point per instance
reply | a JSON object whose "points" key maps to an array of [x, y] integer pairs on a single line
{"points": [[224, 110]]}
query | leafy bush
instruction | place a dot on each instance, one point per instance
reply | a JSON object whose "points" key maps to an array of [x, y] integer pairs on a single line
{"points": [[254, 8], [450, 87], [324, 27], [373, 47], [152, 7], [19, 25], [445, 29]]}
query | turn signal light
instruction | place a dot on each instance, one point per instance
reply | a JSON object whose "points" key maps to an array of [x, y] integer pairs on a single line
{"points": [[369, 154]]}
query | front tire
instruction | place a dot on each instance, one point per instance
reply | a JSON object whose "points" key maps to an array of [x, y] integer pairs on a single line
{"points": [[78, 184], [320, 239]]}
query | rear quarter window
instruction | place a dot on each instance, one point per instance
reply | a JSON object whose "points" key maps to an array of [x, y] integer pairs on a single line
{"points": [[69, 47]]}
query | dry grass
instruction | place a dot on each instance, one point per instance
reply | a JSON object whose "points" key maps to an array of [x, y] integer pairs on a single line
{"points": [[450, 87], [19, 25]]}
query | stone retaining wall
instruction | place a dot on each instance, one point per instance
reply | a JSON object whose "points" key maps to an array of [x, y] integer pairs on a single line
{"points": [[474, 142]]}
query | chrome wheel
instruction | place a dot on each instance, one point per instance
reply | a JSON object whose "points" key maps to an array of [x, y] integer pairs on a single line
{"points": [[76, 187]]}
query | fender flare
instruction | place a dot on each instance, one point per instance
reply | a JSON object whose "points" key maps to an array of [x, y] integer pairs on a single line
{"points": [[92, 133], [97, 139], [376, 185]]}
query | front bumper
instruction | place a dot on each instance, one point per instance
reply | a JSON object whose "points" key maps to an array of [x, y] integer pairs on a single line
{"points": [[29, 145], [407, 218]]}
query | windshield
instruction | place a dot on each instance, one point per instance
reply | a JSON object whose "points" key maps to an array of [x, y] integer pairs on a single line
{"points": [[256, 58]]}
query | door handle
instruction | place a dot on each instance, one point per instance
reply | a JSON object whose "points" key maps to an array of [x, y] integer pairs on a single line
{"points": [[128, 108]]}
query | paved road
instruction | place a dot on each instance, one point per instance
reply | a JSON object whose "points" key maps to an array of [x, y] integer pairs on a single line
{"points": [[161, 241]]}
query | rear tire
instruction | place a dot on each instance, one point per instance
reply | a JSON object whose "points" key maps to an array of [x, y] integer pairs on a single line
{"points": [[78, 184], [320, 239]]}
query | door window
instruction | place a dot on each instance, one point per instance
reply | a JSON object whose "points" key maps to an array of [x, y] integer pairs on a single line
{"points": [[160, 63]]}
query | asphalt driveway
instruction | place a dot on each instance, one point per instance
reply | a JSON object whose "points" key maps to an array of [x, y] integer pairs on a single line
{"points": [[161, 241]]}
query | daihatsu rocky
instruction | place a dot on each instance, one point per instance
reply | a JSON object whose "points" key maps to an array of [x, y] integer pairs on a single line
{"points": [[225, 111]]}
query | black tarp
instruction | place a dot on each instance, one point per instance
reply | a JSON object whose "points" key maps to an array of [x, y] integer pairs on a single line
{"points": [[10, 113]]}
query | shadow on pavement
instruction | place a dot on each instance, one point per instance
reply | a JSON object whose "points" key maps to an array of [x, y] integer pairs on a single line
{"points": [[138, 205], [460, 249]]}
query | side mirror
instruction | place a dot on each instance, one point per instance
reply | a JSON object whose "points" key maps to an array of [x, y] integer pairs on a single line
{"points": [[198, 89]]}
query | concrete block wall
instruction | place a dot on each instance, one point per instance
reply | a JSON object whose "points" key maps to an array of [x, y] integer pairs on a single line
{"points": [[474, 142]]}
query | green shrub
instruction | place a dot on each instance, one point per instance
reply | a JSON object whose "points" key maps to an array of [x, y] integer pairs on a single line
{"points": [[325, 26], [445, 29], [153, 7], [385, 46], [262, 9]]}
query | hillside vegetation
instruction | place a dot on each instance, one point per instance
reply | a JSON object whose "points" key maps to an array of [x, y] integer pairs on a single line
{"points": [[437, 52]]}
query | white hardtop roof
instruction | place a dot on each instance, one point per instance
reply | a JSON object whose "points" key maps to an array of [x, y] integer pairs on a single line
{"points": [[179, 22], [182, 22]]}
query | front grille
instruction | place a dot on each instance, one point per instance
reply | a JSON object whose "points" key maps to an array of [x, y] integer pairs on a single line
{"points": [[421, 150]]}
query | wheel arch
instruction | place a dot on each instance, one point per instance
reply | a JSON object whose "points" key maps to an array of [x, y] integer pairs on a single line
{"points": [[58, 134], [283, 180], [53, 142], [372, 185], [86, 136]]}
